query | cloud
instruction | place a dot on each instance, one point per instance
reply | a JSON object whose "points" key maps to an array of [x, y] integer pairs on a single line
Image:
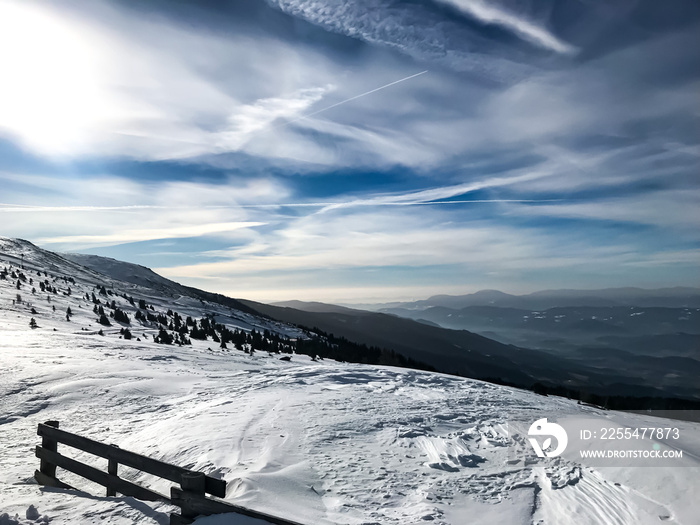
{"points": [[649, 208], [104, 82], [434, 194], [25, 208], [417, 30], [319, 160], [139, 235], [247, 120], [376, 242], [114, 84], [394, 237], [379, 247], [366, 93], [132, 211], [490, 13]]}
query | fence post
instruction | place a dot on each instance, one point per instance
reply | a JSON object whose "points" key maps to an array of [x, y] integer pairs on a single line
{"points": [[192, 483], [46, 468], [112, 469]]}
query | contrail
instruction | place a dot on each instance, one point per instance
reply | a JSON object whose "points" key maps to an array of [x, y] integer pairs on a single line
{"points": [[20, 208], [269, 126], [355, 97]]}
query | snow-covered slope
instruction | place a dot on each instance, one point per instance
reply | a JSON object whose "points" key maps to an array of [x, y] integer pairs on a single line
{"points": [[320, 442], [125, 272]]}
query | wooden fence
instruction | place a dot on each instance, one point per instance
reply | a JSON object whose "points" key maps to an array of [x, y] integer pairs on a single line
{"points": [[191, 496]]}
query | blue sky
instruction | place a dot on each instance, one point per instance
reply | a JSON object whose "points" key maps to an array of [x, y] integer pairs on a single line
{"points": [[358, 150]]}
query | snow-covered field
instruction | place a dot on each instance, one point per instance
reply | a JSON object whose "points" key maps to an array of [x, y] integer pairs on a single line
{"points": [[318, 442]]}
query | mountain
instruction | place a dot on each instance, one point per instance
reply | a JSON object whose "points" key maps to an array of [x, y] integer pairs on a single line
{"points": [[679, 297], [145, 277], [482, 297], [126, 272], [49, 283], [318, 441], [313, 306]]}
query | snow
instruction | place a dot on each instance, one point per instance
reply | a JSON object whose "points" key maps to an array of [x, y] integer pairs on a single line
{"points": [[317, 442]]}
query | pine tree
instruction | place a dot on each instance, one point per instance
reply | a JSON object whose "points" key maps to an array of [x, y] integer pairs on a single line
{"points": [[164, 337], [121, 317]]}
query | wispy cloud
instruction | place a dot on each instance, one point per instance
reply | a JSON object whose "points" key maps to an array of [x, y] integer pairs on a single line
{"points": [[415, 29], [434, 194], [247, 120], [366, 93], [12, 208], [490, 13], [102, 87], [368, 240], [27, 208], [650, 208], [150, 234], [132, 211]]}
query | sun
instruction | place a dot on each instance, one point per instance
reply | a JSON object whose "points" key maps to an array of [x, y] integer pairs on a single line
{"points": [[50, 97]]}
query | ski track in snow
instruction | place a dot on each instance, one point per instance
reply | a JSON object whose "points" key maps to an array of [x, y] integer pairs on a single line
{"points": [[318, 442]]}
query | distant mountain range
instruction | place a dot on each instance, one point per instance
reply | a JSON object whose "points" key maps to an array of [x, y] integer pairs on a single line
{"points": [[677, 297]]}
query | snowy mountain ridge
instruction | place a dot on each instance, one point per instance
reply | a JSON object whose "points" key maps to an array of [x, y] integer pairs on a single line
{"points": [[123, 280], [124, 271], [317, 441]]}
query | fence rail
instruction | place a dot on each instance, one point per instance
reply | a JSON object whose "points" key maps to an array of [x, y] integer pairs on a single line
{"points": [[191, 497]]}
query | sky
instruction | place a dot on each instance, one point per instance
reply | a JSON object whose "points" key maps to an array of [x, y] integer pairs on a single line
{"points": [[358, 150]]}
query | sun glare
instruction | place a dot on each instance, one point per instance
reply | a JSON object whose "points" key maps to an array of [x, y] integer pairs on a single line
{"points": [[49, 94]]}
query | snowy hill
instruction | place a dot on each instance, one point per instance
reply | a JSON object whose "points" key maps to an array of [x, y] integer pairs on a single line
{"points": [[317, 441], [126, 272]]}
